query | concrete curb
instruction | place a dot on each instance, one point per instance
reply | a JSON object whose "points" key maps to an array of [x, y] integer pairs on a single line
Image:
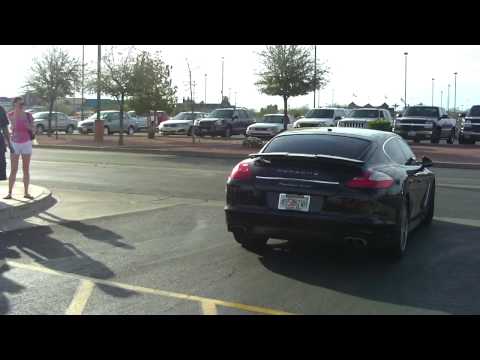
{"points": [[27, 209], [226, 156]]}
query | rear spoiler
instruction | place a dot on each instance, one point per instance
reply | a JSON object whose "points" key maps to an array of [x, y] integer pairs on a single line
{"points": [[332, 158]]}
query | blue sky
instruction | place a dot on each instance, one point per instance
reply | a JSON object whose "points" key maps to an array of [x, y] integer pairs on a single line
{"points": [[374, 73]]}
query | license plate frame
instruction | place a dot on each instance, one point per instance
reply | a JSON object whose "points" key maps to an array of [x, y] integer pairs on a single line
{"points": [[294, 202]]}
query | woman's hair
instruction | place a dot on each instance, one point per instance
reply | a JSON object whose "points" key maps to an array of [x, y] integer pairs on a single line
{"points": [[17, 99]]}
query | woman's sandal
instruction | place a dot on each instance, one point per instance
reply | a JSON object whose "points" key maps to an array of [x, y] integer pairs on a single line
{"points": [[28, 196], [8, 197]]}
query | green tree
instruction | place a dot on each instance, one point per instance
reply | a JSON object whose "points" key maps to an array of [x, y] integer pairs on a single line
{"points": [[289, 71], [54, 75], [116, 79]]}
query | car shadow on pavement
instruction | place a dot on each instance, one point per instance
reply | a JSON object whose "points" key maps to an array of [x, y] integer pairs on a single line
{"points": [[439, 272]]}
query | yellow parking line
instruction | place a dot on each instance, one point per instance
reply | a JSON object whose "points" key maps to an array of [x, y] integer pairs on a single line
{"points": [[145, 290], [209, 308], [80, 299]]}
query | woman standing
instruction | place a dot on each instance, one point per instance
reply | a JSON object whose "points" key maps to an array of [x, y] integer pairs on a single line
{"points": [[22, 133]]}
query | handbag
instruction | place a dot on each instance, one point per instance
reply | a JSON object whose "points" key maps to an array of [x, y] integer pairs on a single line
{"points": [[30, 132]]}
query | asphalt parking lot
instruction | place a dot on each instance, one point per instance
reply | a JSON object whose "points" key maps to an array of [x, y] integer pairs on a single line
{"points": [[145, 234]]}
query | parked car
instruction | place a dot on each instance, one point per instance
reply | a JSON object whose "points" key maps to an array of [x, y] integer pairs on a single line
{"points": [[359, 118], [225, 122], [59, 122], [321, 117], [269, 126], [426, 123], [361, 186], [470, 126], [182, 123], [111, 123]]}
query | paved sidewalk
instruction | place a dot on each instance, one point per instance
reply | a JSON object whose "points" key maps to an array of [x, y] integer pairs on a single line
{"points": [[18, 206], [443, 155]]}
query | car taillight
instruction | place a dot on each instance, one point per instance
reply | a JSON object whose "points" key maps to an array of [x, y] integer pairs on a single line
{"points": [[241, 172], [371, 180]]}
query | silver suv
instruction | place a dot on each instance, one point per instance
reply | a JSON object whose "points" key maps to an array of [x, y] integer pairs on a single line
{"points": [[111, 123], [60, 122], [321, 117], [426, 123]]}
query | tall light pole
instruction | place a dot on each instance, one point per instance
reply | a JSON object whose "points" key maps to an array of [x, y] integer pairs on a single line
{"points": [[205, 98], [448, 98], [433, 84], [455, 95], [405, 98], [83, 79], [98, 123], [441, 98], [222, 79], [315, 77]]}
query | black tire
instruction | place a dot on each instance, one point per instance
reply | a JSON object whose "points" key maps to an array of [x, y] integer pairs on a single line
{"points": [[69, 129], [431, 206], [399, 236], [249, 241], [461, 140], [40, 129], [228, 132], [435, 136], [451, 138]]}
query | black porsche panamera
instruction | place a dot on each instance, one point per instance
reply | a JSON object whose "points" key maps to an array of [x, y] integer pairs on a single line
{"points": [[356, 185]]}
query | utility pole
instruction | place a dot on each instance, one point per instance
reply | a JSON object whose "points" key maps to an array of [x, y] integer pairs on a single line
{"points": [[455, 95], [405, 98], [98, 123], [191, 98], [433, 84], [222, 80], [83, 79], [205, 98], [194, 85], [441, 98], [448, 98], [315, 77]]}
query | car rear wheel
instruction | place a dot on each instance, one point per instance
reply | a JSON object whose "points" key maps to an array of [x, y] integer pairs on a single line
{"points": [[249, 241], [189, 132], [400, 234], [431, 206], [451, 138], [435, 136]]}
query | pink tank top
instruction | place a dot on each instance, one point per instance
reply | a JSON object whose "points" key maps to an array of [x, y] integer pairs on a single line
{"points": [[20, 127]]}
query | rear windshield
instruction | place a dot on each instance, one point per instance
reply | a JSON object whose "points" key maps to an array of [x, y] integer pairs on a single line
{"points": [[322, 144], [319, 114], [474, 111], [273, 119], [424, 111]]}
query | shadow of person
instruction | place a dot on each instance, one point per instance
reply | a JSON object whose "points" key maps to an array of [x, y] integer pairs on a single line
{"points": [[39, 244], [439, 272], [92, 232], [7, 285]]}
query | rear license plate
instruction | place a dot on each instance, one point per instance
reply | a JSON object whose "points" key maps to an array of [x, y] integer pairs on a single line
{"points": [[412, 133], [294, 202]]}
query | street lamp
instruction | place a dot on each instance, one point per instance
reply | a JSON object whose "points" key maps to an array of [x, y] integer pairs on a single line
{"points": [[315, 77], [455, 95], [441, 98], [98, 123], [405, 98], [433, 85], [205, 98], [222, 79], [448, 98], [83, 78]]}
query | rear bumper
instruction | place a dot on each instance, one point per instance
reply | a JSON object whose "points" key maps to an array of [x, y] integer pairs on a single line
{"points": [[291, 226], [419, 134]]}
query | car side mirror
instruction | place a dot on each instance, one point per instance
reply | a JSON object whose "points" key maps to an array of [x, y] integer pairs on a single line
{"points": [[426, 162]]}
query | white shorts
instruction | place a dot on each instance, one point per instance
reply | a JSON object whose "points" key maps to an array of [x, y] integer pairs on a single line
{"points": [[22, 148]]}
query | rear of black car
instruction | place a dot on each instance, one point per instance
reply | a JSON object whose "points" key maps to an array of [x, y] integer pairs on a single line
{"points": [[317, 186]]}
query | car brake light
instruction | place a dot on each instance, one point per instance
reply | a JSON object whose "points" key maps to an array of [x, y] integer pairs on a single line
{"points": [[241, 172], [371, 180]]}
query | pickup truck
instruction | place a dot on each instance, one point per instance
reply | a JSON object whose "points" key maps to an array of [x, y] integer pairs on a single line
{"points": [[426, 123]]}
